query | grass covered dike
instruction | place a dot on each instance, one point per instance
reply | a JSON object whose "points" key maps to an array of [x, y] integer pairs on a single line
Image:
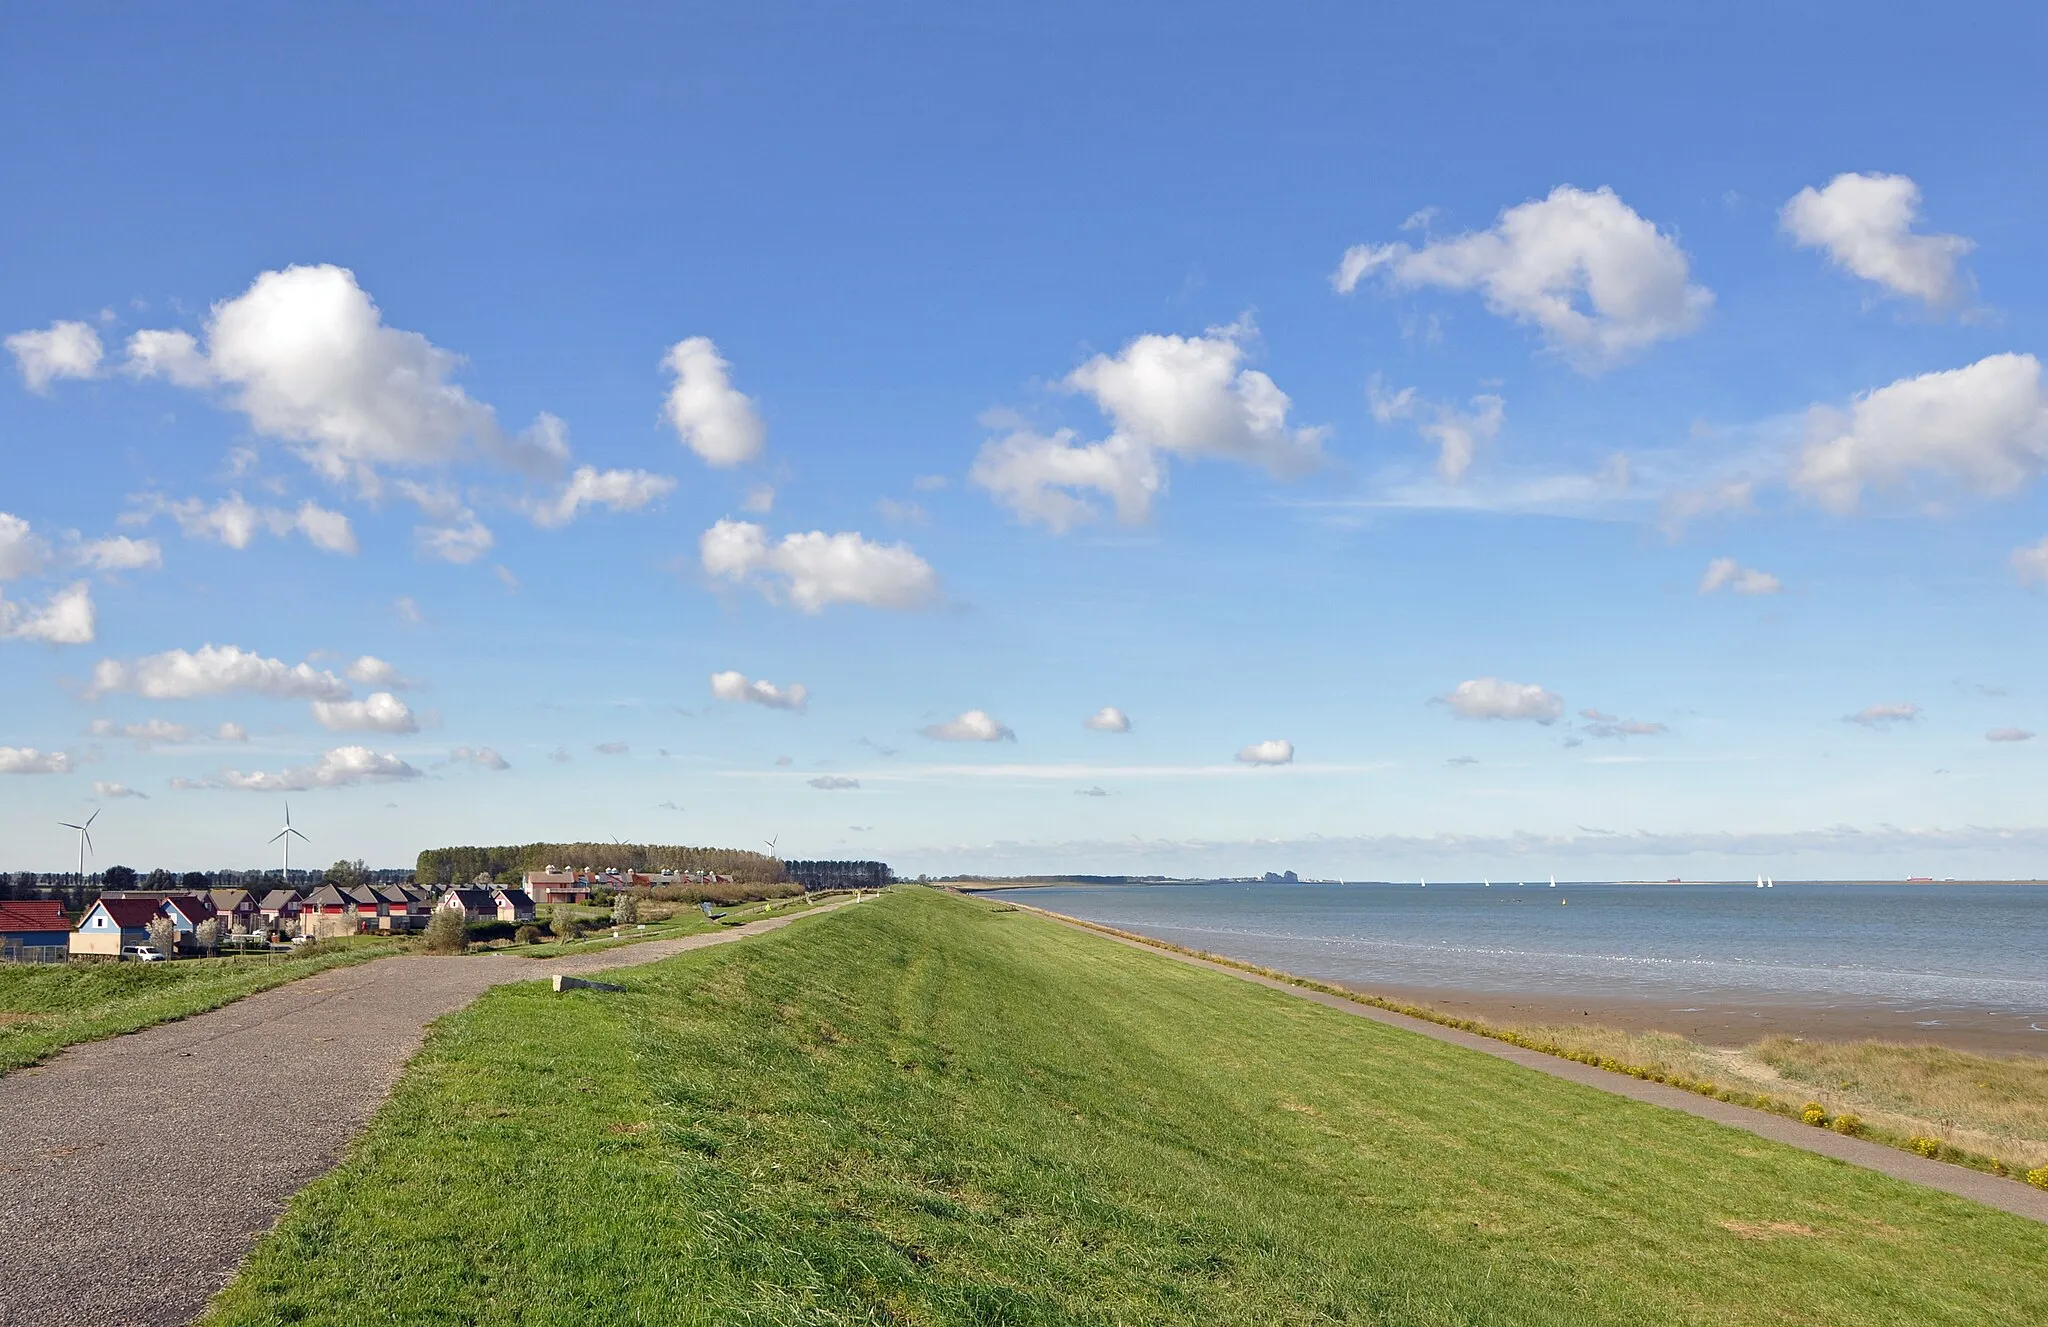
{"points": [[46, 1007], [929, 1109]]}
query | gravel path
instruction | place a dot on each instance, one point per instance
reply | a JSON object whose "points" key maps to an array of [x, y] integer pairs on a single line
{"points": [[136, 1172], [2005, 1195]]}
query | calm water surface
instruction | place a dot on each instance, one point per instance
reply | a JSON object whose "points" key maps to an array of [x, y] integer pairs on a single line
{"points": [[1968, 946]]}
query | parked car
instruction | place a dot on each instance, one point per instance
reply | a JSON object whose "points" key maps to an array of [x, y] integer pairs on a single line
{"points": [[140, 954]]}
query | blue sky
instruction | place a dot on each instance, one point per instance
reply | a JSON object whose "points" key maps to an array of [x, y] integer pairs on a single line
{"points": [[1455, 443]]}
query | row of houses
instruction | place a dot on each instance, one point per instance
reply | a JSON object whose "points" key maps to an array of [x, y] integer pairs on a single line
{"points": [[120, 918]]}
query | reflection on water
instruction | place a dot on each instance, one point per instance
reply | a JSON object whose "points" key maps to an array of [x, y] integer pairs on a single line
{"points": [[1975, 946]]}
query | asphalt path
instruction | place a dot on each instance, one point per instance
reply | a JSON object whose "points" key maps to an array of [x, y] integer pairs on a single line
{"points": [[137, 1172], [2004, 1194]]}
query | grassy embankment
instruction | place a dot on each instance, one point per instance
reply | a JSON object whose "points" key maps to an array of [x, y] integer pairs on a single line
{"points": [[46, 1007], [929, 1109], [1983, 1111]]}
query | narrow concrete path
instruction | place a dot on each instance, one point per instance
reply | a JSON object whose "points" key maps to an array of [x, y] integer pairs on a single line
{"points": [[2003, 1194], [137, 1172]]}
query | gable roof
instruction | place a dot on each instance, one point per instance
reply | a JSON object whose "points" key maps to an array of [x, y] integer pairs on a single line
{"points": [[327, 896], [25, 915], [194, 908], [473, 899], [130, 914], [280, 898]]}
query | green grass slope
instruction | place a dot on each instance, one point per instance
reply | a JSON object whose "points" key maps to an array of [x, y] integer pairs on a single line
{"points": [[932, 1110], [46, 1007]]}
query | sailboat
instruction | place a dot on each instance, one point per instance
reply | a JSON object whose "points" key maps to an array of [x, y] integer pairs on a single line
{"points": [[1553, 882], [1770, 882], [1489, 884], [1425, 883], [1759, 882]]}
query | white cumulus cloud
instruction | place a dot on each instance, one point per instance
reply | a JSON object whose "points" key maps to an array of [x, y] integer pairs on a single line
{"points": [[1865, 225], [461, 543], [619, 490], [1984, 426], [108, 789], [1275, 751], [479, 755], [1185, 396], [736, 686], [61, 350], [713, 418], [22, 551], [972, 726], [370, 671], [215, 670], [1108, 719], [1728, 574], [339, 768], [815, 570], [1458, 434], [833, 782], [119, 553], [149, 732], [1598, 280], [234, 521], [378, 712], [1491, 698], [67, 617], [28, 760], [2008, 735]]}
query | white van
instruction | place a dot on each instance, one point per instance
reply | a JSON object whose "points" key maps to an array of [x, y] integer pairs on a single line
{"points": [[140, 954]]}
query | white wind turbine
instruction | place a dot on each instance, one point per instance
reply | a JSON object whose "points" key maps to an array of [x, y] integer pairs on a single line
{"points": [[288, 834], [84, 841]]}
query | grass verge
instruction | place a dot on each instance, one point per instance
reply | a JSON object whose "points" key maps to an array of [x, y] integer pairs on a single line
{"points": [[925, 1110], [46, 1007]]}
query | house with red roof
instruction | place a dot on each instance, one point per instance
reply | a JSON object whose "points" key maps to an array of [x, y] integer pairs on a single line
{"points": [[34, 931], [112, 923]]}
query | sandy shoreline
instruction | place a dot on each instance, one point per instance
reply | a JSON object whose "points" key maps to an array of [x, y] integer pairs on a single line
{"points": [[1731, 1023]]}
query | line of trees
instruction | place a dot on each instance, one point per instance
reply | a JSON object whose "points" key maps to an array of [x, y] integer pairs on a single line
{"points": [[445, 866]]}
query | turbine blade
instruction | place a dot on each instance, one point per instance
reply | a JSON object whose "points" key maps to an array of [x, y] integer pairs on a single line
{"points": [[94, 816], [280, 834], [68, 825], [88, 839]]}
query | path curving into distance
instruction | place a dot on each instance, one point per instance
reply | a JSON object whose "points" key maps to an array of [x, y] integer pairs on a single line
{"points": [[2004, 1194], [137, 1172]]}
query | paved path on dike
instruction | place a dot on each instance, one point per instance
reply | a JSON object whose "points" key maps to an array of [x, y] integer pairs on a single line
{"points": [[2006, 1195], [137, 1172]]}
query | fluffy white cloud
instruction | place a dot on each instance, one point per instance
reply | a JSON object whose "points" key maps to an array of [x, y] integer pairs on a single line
{"points": [[1190, 397], [1728, 574], [1273, 752], [620, 490], [1596, 278], [22, 551], [2031, 563], [460, 543], [815, 570], [1865, 224], [116, 790], [1039, 477], [2008, 735], [479, 755], [379, 712], [28, 760], [230, 732], [1491, 698], [735, 686], [1458, 434], [1984, 426], [338, 768], [1884, 716], [215, 670], [61, 350], [833, 782], [305, 354], [235, 521], [119, 553], [370, 671], [712, 417], [67, 617], [148, 733], [973, 726], [1108, 719]]}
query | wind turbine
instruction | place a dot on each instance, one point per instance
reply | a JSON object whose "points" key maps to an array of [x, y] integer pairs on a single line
{"points": [[770, 842], [288, 834], [84, 842]]}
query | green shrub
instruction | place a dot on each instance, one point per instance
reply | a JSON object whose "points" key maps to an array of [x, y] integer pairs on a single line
{"points": [[446, 933], [1848, 1124], [562, 921], [1927, 1147], [526, 935], [1815, 1114]]}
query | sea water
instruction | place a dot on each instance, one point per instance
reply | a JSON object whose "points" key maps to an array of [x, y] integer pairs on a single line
{"points": [[1955, 946]]}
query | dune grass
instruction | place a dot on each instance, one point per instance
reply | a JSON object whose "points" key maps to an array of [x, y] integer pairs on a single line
{"points": [[46, 1007], [928, 1110]]}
